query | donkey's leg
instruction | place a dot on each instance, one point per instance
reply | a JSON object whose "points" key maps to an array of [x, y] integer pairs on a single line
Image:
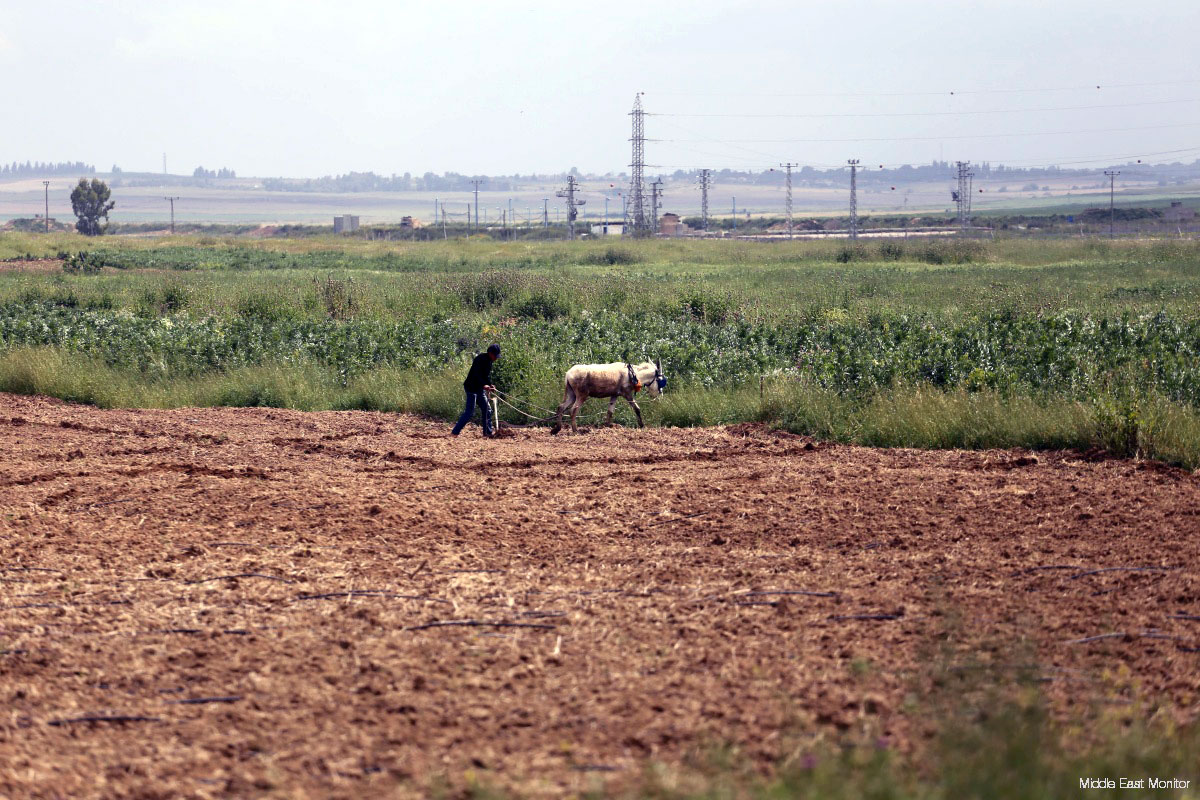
{"points": [[612, 403], [580, 399], [637, 410], [568, 399]]}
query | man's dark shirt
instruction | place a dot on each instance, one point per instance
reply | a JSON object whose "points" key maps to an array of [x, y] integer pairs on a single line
{"points": [[481, 372]]}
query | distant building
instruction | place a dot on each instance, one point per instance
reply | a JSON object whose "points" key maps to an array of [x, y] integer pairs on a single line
{"points": [[1177, 213], [672, 225], [615, 228], [345, 223]]}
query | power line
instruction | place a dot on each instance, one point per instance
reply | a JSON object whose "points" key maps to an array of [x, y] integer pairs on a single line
{"points": [[788, 203], [172, 201], [853, 162], [476, 184], [572, 203], [1038, 162], [635, 222], [962, 196], [941, 137], [1084, 160], [934, 113], [935, 93], [1112, 177], [705, 182]]}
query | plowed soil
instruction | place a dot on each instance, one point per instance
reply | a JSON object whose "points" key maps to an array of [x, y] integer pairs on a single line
{"points": [[234, 602]]}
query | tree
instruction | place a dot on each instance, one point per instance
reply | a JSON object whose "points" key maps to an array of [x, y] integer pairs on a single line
{"points": [[90, 203]]}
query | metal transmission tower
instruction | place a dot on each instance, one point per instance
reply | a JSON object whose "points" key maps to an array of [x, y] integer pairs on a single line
{"points": [[853, 162], [1112, 184], [572, 203], [655, 205], [172, 201], [788, 202], [705, 182], [962, 196], [476, 183], [46, 220], [635, 215]]}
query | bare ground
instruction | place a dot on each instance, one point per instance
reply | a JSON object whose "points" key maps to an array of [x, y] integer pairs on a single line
{"points": [[233, 602], [32, 265]]}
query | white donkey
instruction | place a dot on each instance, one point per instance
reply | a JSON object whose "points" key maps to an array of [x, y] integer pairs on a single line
{"points": [[612, 381]]}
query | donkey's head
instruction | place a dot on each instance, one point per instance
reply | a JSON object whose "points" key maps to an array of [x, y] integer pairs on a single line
{"points": [[658, 384]]}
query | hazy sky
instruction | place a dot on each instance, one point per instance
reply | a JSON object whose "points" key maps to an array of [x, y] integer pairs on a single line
{"points": [[308, 87]]}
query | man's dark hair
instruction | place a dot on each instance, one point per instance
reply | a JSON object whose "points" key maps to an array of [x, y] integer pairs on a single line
{"points": [[494, 349]]}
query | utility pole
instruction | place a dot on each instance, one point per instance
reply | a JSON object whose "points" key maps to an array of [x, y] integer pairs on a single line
{"points": [[655, 204], [477, 182], [445, 235], [46, 221], [705, 182], [1112, 184], [172, 201], [572, 203], [635, 222], [788, 202], [853, 162], [545, 212], [963, 195], [734, 214]]}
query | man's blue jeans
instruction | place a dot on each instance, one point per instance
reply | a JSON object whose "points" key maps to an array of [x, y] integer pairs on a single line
{"points": [[472, 399]]}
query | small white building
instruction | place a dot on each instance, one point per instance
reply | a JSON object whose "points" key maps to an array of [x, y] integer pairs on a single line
{"points": [[345, 223], [614, 228]]}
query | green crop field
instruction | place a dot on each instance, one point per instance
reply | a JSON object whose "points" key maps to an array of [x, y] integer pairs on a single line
{"points": [[927, 343]]}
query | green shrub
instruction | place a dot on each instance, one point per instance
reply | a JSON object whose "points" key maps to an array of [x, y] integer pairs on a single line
{"points": [[850, 252], [165, 298], [707, 307], [612, 256], [272, 386], [487, 290], [541, 304], [339, 297], [265, 307], [82, 263]]}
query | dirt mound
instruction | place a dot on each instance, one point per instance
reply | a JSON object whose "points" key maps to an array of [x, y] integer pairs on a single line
{"points": [[234, 601]]}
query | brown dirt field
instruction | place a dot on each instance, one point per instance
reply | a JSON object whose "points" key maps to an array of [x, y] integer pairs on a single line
{"points": [[252, 586], [32, 265]]}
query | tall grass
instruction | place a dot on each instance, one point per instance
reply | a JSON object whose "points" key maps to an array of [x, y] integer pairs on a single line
{"points": [[921, 343], [903, 416]]}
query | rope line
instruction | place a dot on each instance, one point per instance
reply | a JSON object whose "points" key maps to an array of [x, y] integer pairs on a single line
{"points": [[502, 397]]}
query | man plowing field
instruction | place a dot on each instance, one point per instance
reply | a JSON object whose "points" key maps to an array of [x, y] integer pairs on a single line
{"points": [[477, 386]]}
